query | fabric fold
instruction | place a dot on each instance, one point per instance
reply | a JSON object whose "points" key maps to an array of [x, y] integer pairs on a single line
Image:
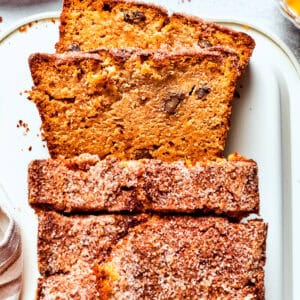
{"points": [[11, 261]]}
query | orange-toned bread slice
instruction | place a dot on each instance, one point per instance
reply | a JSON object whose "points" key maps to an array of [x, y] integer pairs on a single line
{"points": [[87, 184], [135, 104], [159, 257], [87, 25]]}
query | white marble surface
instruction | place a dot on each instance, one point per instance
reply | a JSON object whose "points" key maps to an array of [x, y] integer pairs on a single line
{"points": [[264, 13]]}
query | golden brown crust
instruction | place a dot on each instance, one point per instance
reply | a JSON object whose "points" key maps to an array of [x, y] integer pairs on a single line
{"points": [[87, 184], [126, 53], [84, 26], [159, 9], [134, 104], [196, 20], [162, 257]]}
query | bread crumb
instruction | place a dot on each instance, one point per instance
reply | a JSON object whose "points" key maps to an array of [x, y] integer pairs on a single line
{"points": [[29, 148], [23, 124], [23, 28]]}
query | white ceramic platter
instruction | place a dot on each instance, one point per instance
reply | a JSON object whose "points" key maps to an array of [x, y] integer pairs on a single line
{"points": [[265, 122]]}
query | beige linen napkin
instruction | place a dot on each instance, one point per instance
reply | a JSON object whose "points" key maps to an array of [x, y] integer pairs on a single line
{"points": [[11, 263]]}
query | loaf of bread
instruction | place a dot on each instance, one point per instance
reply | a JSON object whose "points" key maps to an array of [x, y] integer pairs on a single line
{"points": [[87, 184], [135, 104], [151, 257], [135, 115], [87, 25]]}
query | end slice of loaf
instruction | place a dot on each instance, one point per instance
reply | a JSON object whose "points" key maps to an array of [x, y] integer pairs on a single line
{"points": [[135, 104], [161, 257], [87, 184], [87, 25]]}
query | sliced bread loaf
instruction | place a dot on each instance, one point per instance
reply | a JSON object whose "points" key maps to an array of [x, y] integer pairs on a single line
{"points": [[87, 25], [159, 257], [135, 104], [87, 184]]}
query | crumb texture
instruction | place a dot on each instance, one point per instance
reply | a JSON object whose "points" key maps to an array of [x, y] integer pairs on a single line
{"points": [[171, 257], [135, 104], [86, 183]]}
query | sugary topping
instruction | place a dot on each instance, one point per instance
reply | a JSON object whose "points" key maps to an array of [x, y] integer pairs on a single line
{"points": [[171, 257], [85, 183], [184, 257]]}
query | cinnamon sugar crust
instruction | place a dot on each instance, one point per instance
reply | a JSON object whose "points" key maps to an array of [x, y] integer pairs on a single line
{"points": [[78, 286], [78, 240], [163, 257], [88, 184]]}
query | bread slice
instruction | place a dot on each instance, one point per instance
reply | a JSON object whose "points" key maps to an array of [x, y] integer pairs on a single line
{"points": [[87, 25], [132, 105], [87, 184], [162, 257]]}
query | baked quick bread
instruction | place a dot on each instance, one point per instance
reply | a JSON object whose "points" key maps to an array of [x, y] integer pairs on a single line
{"points": [[85, 183], [135, 104], [87, 25], [161, 257]]}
